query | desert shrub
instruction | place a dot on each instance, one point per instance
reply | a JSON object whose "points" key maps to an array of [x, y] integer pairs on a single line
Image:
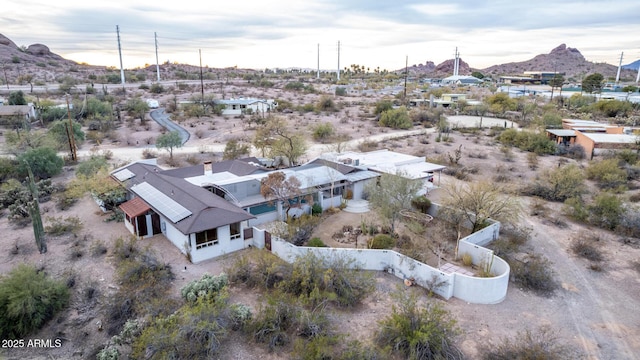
{"points": [[59, 226], [541, 344], [92, 166], [396, 118], [323, 132], [558, 185], [575, 151], [315, 279], [381, 241], [206, 286], [258, 269], [467, 260], [587, 248], [419, 333], [149, 154], [144, 282], [316, 242], [273, 321], [28, 299], [607, 173], [195, 331], [421, 203], [382, 106], [575, 208], [98, 248], [535, 274], [629, 224], [156, 88], [606, 210], [528, 141], [299, 229], [340, 91], [326, 103], [367, 145]]}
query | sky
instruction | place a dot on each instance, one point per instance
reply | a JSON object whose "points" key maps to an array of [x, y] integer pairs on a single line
{"points": [[262, 34]]}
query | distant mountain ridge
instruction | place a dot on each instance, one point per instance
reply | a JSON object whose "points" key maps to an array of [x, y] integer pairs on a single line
{"points": [[46, 66], [561, 59]]}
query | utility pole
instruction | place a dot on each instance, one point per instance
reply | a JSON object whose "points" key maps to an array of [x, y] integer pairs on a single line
{"points": [[619, 67], [155, 35], [406, 73], [120, 53], [338, 60], [201, 80], [71, 138], [318, 76]]}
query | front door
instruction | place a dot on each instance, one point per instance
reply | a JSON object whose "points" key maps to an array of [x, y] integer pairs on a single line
{"points": [[267, 240], [155, 223]]}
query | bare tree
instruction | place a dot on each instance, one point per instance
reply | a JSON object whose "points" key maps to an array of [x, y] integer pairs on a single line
{"points": [[392, 194], [276, 186]]}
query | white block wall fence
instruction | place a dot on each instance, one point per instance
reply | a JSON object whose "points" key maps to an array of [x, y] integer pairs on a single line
{"points": [[475, 290]]}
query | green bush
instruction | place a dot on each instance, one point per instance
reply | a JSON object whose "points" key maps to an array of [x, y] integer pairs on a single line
{"points": [[419, 333], [382, 106], [323, 132], [607, 174], [274, 320], [340, 91], [606, 211], [28, 299], [316, 209], [44, 162], [382, 241], [421, 203], [559, 184], [396, 118]]}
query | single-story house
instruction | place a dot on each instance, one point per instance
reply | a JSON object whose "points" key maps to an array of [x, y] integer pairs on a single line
{"points": [[199, 223], [596, 138], [18, 112], [461, 80], [247, 106], [204, 209], [391, 162]]}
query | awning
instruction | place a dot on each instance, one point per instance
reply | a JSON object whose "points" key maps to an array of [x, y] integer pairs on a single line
{"points": [[135, 207]]}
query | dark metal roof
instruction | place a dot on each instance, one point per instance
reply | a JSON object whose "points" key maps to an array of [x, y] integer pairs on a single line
{"points": [[239, 167], [209, 211]]}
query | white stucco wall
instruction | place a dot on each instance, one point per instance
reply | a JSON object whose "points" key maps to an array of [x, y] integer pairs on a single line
{"points": [[224, 246]]}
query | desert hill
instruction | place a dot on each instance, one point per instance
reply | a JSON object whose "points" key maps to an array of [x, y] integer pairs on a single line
{"points": [[44, 66]]}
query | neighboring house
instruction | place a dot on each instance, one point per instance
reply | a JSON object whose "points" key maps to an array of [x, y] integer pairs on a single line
{"points": [[447, 100], [390, 162], [461, 80], [18, 112], [596, 138], [247, 106]]}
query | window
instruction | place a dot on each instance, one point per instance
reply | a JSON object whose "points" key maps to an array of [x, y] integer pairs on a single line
{"points": [[234, 229], [206, 238]]}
